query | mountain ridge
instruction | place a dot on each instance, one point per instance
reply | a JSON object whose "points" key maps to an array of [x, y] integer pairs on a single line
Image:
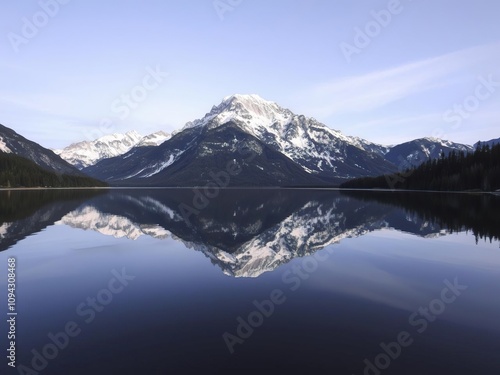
{"points": [[13, 143], [326, 155], [292, 149], [84, 154]]}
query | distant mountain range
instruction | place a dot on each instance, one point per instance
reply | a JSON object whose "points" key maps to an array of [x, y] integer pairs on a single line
{"points": [[270, 145], [84, 154], [489, 143], [261, 142], [413, 153]]}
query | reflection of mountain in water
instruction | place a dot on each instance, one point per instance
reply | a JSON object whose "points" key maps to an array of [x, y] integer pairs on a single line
{"points": [[89, 218], [455, 212], [23, 213], [248, 232]]}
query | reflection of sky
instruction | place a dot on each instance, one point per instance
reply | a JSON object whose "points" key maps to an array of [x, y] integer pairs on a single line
{"points": [[60, 267], [181, 303], [407, 272]]}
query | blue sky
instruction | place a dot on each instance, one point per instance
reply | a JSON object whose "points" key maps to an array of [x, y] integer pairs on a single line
{"points": [[387, 71]]}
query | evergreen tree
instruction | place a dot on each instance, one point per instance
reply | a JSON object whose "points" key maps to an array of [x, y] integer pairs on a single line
{"points": [[479, 170]]}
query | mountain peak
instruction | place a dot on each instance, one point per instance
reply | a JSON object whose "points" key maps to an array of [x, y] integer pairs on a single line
{"points": [[249, 110], [132, 136], [245, 98]]}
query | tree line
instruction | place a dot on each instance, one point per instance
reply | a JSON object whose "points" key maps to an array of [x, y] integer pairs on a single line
{"points": [[16, 171], [455, 213], [459, 171]]}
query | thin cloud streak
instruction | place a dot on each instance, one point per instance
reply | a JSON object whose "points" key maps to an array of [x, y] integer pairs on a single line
{"points": [[378, 89]]}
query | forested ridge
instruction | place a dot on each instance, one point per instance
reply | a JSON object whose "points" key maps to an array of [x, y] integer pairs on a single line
{"points": [[16, 171], [459, 171]]}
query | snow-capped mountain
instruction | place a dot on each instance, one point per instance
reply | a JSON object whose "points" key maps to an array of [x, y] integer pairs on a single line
{"points": [[418, 151], [289, 149], [13, 143], [314, 146], [193, 156], [84, 154]]}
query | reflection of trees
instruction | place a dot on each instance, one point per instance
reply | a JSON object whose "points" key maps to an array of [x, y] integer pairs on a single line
{"points": [[23, 213], [19, 204], [236, 217], [479, 213]]}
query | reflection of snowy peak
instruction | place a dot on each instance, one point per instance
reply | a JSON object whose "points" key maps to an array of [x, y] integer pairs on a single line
{"points": [[312, 228], [4, 229], [245, 237], [89, 218]]}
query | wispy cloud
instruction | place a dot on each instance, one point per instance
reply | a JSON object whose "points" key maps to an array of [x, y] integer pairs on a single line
{"points": [[377, 89]]}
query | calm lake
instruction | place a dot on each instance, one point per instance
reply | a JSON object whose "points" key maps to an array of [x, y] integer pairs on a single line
{"points": [[172, 281]]}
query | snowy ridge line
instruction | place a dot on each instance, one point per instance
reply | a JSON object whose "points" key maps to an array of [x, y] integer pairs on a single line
{"points": [[84, 154]]}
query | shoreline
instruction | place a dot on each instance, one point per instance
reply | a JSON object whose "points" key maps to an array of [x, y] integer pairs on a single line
{"points": [[54, 188], [244, 188]]}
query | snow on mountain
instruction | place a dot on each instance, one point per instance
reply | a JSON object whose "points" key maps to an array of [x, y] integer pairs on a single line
{"points": [[326, 156], [371, 147], [84, 154], [154, 139], [450, 144], [3, 147], [314, 146], [89, 218], [251, 110], [418, 151], [259, 117]]}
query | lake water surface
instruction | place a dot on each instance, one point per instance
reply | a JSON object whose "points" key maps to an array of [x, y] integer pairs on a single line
{"points": [[168, 281]]}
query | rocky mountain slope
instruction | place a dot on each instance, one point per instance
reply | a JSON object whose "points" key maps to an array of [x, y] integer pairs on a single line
{"points": [[84, 154], [287, 149], [13, 143]]}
